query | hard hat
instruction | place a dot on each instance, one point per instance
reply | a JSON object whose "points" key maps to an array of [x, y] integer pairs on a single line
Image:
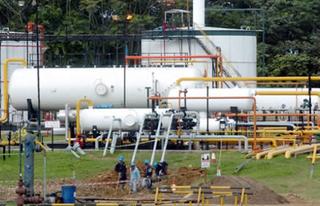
{"points": [[146, 162], [121, 158]]}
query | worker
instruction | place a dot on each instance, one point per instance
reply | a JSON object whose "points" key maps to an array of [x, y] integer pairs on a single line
{"points": [[157, 169], [147, 181], [163, 168], [121, 169], [134, 177]]}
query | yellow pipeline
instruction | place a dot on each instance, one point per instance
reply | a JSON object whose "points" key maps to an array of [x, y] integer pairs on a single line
{"points": [[314, 154], [78, 107], [259, 79], [5, 113], [287, 93]]}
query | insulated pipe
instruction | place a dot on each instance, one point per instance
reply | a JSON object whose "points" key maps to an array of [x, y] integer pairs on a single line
{"points": [[67, 136], [78, 107], [273, 115], [96, 142], [167, 138], [293, 93], [210, 56], [254, 108], [109, 136], [5, 113], [219, 79], [138, 141], [156, 140]]}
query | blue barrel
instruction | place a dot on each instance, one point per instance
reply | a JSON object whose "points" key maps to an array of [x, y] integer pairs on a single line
{"points": [[68, 193]]}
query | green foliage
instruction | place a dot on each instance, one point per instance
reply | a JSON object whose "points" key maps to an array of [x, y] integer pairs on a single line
{"points": [[291, 29], [282, 175], [292, 64]]}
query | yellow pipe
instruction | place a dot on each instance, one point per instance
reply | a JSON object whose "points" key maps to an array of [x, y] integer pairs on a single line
{"points": [[156, 196], [78, 107], [300, 150], [276, 152], [314, 154], [222, 79], [287, 93], [5, 113]]}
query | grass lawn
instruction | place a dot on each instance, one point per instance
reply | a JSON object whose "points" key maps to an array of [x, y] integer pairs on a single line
{"points": [[282, 175]]}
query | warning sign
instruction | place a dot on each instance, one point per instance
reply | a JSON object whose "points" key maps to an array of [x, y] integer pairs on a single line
{"points": [[205, 160], [52, 124]]}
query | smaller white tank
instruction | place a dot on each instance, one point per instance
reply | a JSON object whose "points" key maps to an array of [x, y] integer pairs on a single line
{"points": [[102, 118]]}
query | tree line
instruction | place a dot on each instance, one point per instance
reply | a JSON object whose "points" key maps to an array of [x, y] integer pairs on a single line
{"points": [[288, 30]]}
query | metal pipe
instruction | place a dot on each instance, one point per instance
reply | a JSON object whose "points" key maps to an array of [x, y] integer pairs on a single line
{"points": [[284, 124], [211, 56], [207, 110], [67, 136], [114, 138], [271, 115], [167, 138], [210, 79], [156, 140], [208, 137], [108, 139], [78, 107], [109, 136], [138, 140], [96, 142], [5, 114], [292, 93]]}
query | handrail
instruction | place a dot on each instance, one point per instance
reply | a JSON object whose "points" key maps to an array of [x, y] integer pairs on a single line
{"points": [[210, 79], [78, 107], [5, 113], [222, 57], [212, 56]]}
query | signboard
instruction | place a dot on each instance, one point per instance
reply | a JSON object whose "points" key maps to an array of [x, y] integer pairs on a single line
{"points": [[52, 124], [213, 158], [205, 160]]}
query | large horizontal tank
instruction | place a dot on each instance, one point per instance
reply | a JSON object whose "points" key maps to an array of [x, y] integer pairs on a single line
{"points": [[215, 105], [264, 102], [60, 86], [103, 118]]}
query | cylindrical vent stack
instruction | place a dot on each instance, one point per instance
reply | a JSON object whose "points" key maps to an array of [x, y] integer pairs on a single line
{"points": [[198, 13]]}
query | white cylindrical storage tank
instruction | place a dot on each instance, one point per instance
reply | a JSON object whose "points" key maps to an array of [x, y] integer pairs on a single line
{"points": [[102, 118], [215, 105], [285, 102], [198, 13], [103, 86]]}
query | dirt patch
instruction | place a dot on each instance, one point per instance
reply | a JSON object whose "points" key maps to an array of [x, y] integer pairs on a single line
{"points": [[184, 176], [104, 185], [260, 193]]}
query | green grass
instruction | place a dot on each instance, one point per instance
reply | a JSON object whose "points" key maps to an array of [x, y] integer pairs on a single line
{"points": [[282, 175]]}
